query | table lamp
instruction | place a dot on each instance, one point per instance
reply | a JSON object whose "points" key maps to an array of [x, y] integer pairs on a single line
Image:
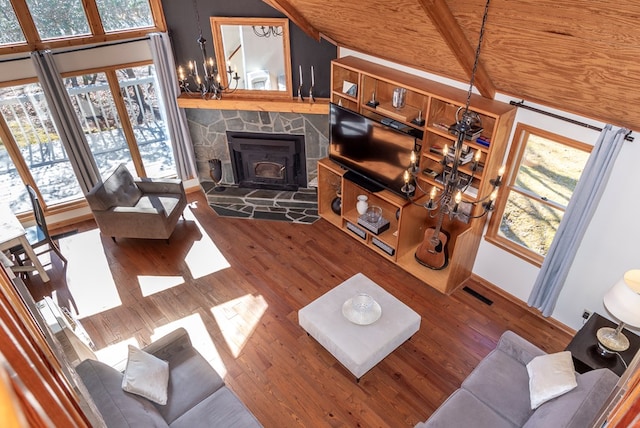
{"points": [[623, 302]]}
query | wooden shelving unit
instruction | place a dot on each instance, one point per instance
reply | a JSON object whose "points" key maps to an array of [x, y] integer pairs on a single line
{"points": [[437, 105]]}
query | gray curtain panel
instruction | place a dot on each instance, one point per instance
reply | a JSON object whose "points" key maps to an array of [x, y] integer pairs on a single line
{"points": [[175, 118], [575, 221], [66, 120]]}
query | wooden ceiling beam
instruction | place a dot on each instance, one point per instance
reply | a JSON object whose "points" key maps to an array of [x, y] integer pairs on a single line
{"points": [[442, 18], [292, 13]]}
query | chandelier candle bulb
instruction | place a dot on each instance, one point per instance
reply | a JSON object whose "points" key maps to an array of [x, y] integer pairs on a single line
{"points": [[458, 199], [500, 174], [406, 176]]}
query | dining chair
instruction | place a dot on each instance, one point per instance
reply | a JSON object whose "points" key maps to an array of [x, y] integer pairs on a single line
{"points": [[38, 234]]}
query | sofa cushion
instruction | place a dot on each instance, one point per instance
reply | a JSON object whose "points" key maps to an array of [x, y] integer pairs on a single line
{"points": [[577, 408], [500, 381], [222, 409], [146, 375], [120, 190], [117, 407], [159, 202], [191, 380], [462, 409], [550, 376]]}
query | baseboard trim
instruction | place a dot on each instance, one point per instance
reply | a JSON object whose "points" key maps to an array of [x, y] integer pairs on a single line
{"points": [[513, 299]]}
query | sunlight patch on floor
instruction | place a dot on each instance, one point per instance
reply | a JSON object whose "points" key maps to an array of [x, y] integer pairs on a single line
{"points": [[200, 339], [204, 257], [150, 284], [238, 318], [116, 355], [89, 279]]}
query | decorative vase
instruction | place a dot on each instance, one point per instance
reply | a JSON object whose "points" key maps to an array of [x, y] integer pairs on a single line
{"points": [[215, 172], [362, 204], [336, 205]]}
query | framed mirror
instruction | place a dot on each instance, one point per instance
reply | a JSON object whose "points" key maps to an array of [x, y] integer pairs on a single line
{"points": [[257, 52]]}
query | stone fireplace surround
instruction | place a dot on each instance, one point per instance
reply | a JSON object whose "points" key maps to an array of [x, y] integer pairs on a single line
{"points": [[208, 133]]}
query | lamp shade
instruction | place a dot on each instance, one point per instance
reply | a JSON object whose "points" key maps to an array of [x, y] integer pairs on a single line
{"points": [[623, 299]]}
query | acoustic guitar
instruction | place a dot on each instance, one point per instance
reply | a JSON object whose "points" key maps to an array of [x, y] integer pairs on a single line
{"points": [[432, 253]]}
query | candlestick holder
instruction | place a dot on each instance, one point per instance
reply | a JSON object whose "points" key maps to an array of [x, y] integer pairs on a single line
{"points": [[300, 97], [312, 99]]}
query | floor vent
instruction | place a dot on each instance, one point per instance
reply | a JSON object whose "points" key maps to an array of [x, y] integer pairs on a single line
{"points": [[478, 296]]}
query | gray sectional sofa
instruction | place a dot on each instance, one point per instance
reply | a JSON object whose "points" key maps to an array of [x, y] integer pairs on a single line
{"points": [[496, 394], [197, 395]]}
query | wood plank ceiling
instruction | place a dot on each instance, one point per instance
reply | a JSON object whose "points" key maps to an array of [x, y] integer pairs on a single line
{"points": [[579, 56]]}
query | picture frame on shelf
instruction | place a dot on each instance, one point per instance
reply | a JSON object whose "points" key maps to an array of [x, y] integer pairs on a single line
{"points": [[350, 88]]}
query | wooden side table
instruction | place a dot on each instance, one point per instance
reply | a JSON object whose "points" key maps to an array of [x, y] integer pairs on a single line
{"points": [[583, 347]]}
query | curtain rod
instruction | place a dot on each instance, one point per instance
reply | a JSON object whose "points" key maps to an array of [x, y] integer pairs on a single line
{"points": [[627, 137], [83, 48]]}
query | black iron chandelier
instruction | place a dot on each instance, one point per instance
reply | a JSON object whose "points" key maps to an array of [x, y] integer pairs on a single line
{"points": [[209, 83], [449, 201]]}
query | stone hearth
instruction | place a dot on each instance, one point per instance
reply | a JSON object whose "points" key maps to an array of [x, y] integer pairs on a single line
{"points": [[300, 206], [208, 130]]}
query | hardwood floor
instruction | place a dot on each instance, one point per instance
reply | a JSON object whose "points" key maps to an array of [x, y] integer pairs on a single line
{"points": [[237, 286]]}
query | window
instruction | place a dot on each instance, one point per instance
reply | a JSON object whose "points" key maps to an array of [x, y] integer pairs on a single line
{"points": [[58, 18], [138, 87], [545, 169], [32, 150], [95, 107], [127, 128], [118, 15], [41, 24], [11, 32]]}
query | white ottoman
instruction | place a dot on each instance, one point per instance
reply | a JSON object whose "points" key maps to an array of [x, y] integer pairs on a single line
{"points": [[358, 347]]}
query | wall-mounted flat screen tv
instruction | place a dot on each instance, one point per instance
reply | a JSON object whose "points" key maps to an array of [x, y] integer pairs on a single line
{"points": [[376, 155]]}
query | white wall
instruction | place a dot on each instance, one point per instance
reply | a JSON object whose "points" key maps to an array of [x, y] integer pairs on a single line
{"points": [[609, 247]]}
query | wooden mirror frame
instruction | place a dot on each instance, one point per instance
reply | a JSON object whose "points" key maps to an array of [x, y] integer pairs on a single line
{"points": [[216, 27]]}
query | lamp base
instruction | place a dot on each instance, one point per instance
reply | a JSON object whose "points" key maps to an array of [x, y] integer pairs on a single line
{"points": [[610, 342]]}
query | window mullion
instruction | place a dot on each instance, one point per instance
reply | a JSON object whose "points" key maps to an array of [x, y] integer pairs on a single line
{"points": [[15, 155], [127, 127], [541, 199], [158, 15], [93, 17]]}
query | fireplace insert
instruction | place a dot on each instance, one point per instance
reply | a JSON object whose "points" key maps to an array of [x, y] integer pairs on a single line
{"points": [[267, 160]]}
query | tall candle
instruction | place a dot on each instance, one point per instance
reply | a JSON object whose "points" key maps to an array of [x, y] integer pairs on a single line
{"points": [[300, 68], [313, 79]]}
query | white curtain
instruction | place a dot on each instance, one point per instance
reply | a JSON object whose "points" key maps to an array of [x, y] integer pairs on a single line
{"points": [[67, 123], [575, 221], [175, 118]]}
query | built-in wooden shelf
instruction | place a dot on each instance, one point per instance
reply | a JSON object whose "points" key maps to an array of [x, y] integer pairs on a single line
{"points": [[289, 105]]}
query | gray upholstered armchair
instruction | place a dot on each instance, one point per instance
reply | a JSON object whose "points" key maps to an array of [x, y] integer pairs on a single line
{"points": [[125, 207]]}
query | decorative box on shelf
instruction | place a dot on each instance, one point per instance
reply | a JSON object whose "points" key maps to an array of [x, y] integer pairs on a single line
{"points": [[375, 228]]}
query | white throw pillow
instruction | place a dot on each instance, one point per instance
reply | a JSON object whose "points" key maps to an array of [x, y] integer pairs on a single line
{"points": [[146, 375], [550, 376]]}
